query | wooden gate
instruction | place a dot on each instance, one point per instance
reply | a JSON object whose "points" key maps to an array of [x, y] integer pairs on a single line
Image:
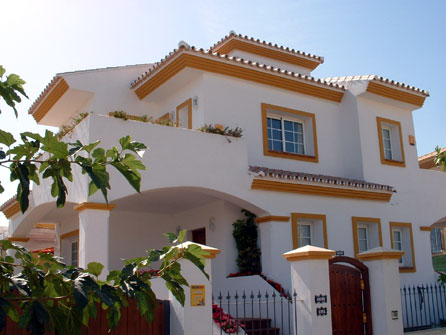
{"points": [[350, 297], [131, 323]]}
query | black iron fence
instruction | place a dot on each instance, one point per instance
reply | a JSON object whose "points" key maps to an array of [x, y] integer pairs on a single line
{"points": [[269, 313], [424, 306]]}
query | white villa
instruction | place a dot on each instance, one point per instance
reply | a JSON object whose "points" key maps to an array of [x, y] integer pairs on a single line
{"points": [[330, 162]]}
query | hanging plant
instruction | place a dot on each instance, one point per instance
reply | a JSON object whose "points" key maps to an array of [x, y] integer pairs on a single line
{"points": [[245, 235]]}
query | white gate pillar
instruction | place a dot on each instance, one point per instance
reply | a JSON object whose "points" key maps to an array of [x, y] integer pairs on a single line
{"points": [[272, 230], [385, 296], [94, 237], [196, 315], [310, 279]]}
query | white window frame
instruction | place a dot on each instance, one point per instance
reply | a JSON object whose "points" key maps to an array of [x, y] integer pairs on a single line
{"points": [[384, 141], [290, 119], [401, 260], [438, 241], [367, 239], [311, 233]]}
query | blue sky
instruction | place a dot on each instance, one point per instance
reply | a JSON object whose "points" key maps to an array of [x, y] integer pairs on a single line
{"points": [[403, 40]]}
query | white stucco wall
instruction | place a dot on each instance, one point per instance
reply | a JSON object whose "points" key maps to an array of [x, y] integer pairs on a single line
{"points": [[347, 146]]}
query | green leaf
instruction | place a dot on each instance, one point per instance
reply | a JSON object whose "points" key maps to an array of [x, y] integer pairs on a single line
{"points": [[95, 268], [52, 145], [6, 138], [2, 71], [171, 237], [90, 146], [132, 178]]}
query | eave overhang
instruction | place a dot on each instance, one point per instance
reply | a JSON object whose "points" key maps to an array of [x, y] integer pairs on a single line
{"points": [[264, 49], [237, 68]]}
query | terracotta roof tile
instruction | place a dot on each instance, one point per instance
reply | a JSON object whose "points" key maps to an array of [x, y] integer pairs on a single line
{"points": [[7, 203], [376, 79], [44, 93], [317, 178], [430, 155], [206, 53], [267, 44]]}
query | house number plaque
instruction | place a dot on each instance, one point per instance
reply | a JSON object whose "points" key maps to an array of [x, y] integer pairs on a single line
{"points": [[321, 311], [197, 295], [320, 299]]}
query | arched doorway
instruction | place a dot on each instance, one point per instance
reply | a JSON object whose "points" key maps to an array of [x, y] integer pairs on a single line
{"points": [[350, 297]]}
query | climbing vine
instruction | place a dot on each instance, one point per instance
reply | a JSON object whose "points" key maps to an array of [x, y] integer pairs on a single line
{"points": [[245, 235]]}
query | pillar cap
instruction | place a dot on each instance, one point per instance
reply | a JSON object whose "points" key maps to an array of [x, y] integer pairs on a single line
{"points": [[94, 205], [308, 252], [212, 252], [380, 253]]}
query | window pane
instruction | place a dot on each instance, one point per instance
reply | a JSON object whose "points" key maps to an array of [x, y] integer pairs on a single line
{"points": [[362, 233], [288, 125], [276, 124], [363, 245], [289, 136], [387, 143], [277, 134]]}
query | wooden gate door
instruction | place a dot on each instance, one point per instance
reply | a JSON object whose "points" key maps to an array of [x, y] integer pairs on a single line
{"points": [[350, 297]]}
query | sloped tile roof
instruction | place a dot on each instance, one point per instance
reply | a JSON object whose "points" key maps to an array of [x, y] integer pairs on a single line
{"points": [[318, 178], [320, 59], [230, 59], [376, 79]]}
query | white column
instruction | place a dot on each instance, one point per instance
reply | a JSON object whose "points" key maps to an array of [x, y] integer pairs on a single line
{"points": [[94, 239], [310, 277], [272, 230], [385, 296], [190, 319]]}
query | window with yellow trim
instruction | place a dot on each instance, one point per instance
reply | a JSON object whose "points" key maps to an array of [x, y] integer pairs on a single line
{"points": [[289, 133], [366, 234], [184, 114], [309, 229], [401, 238], [390, 142]]}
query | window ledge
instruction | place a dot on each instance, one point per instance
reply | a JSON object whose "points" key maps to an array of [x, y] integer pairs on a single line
{"points": [[393, 162], [404, 269], [288, 155]]}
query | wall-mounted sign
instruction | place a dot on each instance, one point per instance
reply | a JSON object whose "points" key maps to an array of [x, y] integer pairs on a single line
{"points": [[321, 311], [197, 295], [320, 299], [339, 252], [394, 315]]}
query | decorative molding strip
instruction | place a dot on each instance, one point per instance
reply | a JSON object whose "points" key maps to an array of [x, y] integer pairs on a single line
{"points": [[18, 239], [94, 205], [269, 218], [71, 233], [44, 226], [237, 71], [269, 185], [49, 98], [282, 56], [12, 209], [396, 94]]}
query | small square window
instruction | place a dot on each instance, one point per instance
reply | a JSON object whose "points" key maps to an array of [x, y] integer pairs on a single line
{"points": [[309, 229], [366, 234], [436, 241], [289, 133], [401, 238], [390, 142]]}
